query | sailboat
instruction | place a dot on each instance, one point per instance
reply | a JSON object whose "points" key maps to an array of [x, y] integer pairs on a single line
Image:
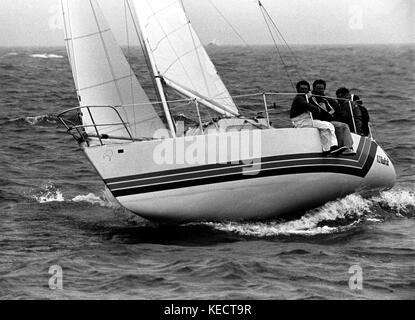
{"points": [[213, 44], [230, 168]]}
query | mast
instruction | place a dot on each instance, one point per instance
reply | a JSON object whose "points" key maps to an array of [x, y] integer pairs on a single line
{"points": [[160, 90], [155, 73], [179, 57]]}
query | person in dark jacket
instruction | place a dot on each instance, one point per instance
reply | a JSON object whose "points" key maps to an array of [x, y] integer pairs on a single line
{"points": [[329, 109], [302, 115], [365, 115], [318, 98], [300, 104], [349, 112]]}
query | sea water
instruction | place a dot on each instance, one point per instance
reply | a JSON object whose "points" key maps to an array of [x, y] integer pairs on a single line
{"points": [[54, 214]]}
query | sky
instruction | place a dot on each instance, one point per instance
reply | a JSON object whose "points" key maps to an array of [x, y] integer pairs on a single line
{"points": [[38, 22]]}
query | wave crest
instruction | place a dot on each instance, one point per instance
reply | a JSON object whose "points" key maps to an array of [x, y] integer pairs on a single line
{"points": [[399, 201], [35, 120], [312, 223], [9, 54], [334, 217], [51, 193], [46, 56], [95, 200]]}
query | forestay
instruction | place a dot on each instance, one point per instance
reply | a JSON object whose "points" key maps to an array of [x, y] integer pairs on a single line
{"points": [[179, 55], [103, 76]]}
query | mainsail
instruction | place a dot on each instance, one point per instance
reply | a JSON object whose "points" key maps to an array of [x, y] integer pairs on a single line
{"points": [[178, 54], [103, 76]]}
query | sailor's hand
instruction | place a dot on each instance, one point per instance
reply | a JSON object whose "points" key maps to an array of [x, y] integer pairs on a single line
{"points": [[309, 95]]}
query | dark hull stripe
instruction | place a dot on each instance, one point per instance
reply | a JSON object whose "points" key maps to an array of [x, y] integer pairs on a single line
{"points": [[239, 169], [208, 167], [188, 170], [357, 166]]}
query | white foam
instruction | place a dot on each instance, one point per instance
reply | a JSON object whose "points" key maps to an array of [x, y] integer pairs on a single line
{"points": [[36, 119], [10, 54], [49, 194], [272, 229], [93, 199], [353, 206], [46, 56], [398, 200]]}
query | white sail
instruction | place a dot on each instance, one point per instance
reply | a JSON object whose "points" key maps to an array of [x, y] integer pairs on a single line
{"points": [[179, 55], [103, 76]]}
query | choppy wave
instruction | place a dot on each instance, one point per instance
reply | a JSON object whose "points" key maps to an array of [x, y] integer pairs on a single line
{"points": [[46, 56], [94, 200], [9, 54], [401, 202], [334, 217], [50, 193], [35, 120], [73, 226]]}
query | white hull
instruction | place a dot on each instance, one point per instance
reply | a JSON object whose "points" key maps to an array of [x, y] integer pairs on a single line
{"points": [[291, 175]]}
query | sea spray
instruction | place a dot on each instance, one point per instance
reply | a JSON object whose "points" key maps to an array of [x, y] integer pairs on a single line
{"points": [[90, 198], [35, 120], [49, 193], [46, 56], [400, 201], [96, 200], [333, 217]]}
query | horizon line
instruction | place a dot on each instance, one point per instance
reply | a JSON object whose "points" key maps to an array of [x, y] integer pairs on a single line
{"points": [[232, 45]]}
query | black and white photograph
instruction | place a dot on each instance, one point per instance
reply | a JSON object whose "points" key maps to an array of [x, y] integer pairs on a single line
{"points": [[223, 151]]}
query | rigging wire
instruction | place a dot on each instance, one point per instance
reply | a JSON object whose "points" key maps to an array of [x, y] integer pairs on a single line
{"points": [[128, 57], [70, 45], [275, 44], [281, 37], [229, 24], [145, 54], [106, 51], [197, 51], [158, 91]]}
